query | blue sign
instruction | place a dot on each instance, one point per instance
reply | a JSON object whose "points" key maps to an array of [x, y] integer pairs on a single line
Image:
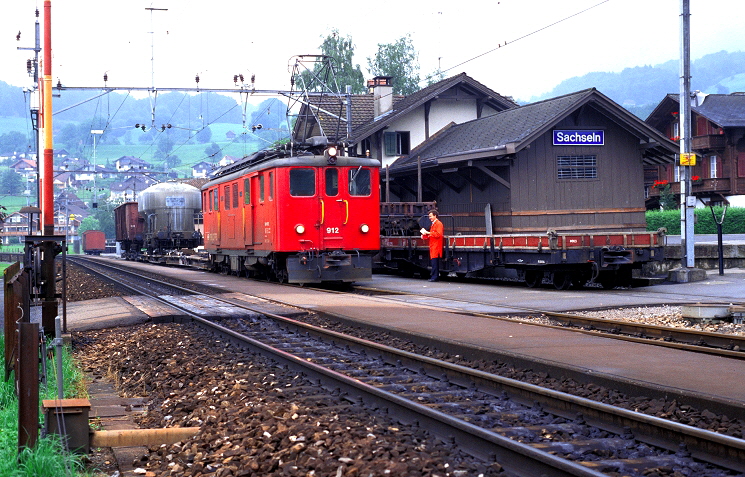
{"points": [[572, 137]]}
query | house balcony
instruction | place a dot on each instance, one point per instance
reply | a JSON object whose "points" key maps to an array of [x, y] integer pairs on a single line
{"points": [[709, 142], [704, 188]]}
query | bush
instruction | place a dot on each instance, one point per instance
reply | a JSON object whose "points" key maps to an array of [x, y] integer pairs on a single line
{"points": [[734, 220]]}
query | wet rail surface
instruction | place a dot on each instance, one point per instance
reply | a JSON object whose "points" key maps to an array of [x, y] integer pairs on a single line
{"points": [[536, 430]]}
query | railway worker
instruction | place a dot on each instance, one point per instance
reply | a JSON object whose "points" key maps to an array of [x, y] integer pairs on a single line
{"points": [[435, 236]]}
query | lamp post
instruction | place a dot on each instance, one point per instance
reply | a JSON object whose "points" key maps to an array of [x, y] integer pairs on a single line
{"points": [[95, 133]]}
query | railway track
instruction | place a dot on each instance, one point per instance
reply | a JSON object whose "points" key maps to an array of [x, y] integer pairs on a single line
{"points": [[529, 430]]}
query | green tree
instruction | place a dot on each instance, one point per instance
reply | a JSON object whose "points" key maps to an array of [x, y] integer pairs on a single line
{"points": [[13, 141], [89, 223], [400, 61], [212, 150], [165, 146], [10, 182], [172, 161], [668, 200], [343, 71], [204, 135]]}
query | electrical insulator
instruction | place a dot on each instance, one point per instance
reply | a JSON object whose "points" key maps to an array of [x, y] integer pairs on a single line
{"points": [[28, 66], [105, 77], [241, 77], [235, 79], [197, 79], [253, 79]]}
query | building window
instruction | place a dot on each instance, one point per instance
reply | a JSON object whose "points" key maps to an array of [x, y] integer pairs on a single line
{"points": [[396, 143], [577, 167], [713, 169]]}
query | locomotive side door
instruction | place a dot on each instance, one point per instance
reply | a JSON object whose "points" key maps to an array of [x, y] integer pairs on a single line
{"points": [[257, 204], [334, 208], [247, 212]]}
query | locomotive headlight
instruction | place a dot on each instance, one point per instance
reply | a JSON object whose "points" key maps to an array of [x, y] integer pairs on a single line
{"points": [[331, 154], [300, 229], [364, 228]]}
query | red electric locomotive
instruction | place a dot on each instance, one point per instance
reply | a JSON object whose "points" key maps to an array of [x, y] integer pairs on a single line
{"points": [[302, 217]]}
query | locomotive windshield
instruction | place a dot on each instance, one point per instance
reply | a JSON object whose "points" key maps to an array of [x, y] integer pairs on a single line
{"points": [[302, 182], [359, 181], [332, 182]]}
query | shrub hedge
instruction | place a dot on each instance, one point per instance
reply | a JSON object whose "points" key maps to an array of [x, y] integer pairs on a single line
{"points": [[734, 220]]}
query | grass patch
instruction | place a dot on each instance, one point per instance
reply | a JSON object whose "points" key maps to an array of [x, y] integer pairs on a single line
{"points": [[48, 458]]}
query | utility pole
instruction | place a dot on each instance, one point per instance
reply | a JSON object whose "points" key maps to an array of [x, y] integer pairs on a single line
{"points": [[687, 271], [33, 69], [687, 202]]}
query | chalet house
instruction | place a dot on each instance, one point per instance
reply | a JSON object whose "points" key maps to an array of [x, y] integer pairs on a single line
{"points": [[201, 169], [16, 224], [130, 163], [387, 126], [129, 188], [26, 168], [717, 138], [226, 160], [574, 162]]}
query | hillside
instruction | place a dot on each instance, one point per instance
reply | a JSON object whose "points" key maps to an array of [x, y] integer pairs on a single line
{"points": [[639, 89]]}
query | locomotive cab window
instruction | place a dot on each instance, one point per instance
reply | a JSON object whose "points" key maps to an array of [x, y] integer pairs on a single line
{"points": [[216, 198], [332, 182], [209, 200], [359, 181], [302, 182], [271, 186], [246, 191], [261, 187]]}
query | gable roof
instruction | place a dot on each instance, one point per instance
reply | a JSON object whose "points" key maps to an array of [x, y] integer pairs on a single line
{"points": [[327, 109], [724, 110], [461, 81], [512, 130]]}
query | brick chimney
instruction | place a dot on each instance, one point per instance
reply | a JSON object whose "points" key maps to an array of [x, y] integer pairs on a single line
{"points": [[382, 90]]}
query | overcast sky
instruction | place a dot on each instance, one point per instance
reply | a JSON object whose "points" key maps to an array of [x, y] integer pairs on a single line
{"points": [[219, 38]]}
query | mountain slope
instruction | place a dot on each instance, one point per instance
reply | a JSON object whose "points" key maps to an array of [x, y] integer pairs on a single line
{"points": [[640, 88]]}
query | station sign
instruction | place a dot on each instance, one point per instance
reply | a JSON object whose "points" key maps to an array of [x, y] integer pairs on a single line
{"points": [[578, 137]]}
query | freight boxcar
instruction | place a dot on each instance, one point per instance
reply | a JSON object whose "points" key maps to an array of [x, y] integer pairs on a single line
{"points": [[129, 225], [94, 242]]}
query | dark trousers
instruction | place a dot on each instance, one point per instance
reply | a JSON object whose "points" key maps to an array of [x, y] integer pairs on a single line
{"points": [[435, 268]]}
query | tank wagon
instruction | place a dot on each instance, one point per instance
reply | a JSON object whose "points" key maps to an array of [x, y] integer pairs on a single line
{"points": [[168, 210], [94, 242], [307, 216], [566, 259]]}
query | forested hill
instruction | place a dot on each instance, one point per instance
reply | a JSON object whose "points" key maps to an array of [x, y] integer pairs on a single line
{"points": [[641, 88]]}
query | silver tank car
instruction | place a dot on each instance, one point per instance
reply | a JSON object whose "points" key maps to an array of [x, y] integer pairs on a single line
{"points": [[169, 209]]}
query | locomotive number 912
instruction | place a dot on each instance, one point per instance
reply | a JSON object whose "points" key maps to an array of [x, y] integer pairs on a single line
{"points": [[303, 218]]}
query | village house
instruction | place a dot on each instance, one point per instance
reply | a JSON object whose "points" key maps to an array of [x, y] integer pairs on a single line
{"points": [[718, 140]]}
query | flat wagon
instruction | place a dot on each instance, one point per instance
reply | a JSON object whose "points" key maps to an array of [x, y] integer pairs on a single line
{"points": [[565, 259]]}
